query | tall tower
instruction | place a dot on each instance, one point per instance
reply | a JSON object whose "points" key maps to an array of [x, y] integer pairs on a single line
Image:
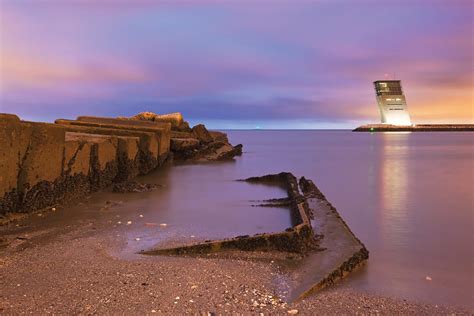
{"points": [[392, 103]]}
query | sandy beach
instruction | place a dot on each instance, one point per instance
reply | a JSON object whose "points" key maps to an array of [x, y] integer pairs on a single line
{"points": [[88, 266]]}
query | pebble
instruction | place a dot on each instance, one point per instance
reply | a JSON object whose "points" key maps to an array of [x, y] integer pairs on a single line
{"points": [[427, 278], [141, 216], [163, 224], [129, 222], [293, 311]]}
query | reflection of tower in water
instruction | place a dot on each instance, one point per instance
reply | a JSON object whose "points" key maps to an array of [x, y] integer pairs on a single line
{"points": [[393, 183]]}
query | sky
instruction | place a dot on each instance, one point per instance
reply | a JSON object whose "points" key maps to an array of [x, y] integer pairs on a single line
{"points": [[236, 64]]}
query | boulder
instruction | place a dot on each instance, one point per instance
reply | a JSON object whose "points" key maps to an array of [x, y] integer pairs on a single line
{"points": [[184, 144], [176, 119], [201, 133], [219, 136]]}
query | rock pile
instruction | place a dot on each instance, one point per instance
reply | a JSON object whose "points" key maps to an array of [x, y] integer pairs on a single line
{"points": [[194, 144]]}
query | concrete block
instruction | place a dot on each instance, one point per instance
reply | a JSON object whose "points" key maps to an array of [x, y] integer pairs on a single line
{"points": [[162, 129], [121, 127], [44, 155], [14, 142], [76, 158], [128, 158]]}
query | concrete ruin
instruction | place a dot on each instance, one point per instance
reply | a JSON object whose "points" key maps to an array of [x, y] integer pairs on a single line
{"points": [[298, 238], [329, 249], [43, 164]]}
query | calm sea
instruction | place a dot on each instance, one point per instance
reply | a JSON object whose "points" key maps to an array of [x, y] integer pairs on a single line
{"points": [[408, 196]]}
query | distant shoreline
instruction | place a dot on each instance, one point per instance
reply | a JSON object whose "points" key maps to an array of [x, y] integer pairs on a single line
{"points": [[416, 128]]}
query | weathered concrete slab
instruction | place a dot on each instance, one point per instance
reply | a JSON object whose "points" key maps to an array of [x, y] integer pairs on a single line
{"points": [[14, 141], [128, 158], [76, 158], [299, 238], [163, 129], [330, 250], [175, 119], [342, 253], [148, 155], [42, 164]]}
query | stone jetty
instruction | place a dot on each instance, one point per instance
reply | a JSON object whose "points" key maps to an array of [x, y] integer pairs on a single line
{"points": [[43, 164]]}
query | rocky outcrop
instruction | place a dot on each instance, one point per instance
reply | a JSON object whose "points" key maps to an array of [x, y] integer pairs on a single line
{"points": [[196, 144]]}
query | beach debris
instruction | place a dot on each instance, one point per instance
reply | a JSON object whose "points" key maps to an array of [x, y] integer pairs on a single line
{"points": [[428, 278], [141, 216], [153, 311], [137, 239], [194, 287], [129, 222], [163, 224], [192, 236], [293, 311], [53, 209], [119, 222]]}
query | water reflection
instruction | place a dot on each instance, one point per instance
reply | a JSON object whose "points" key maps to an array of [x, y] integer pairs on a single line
{"points": [[407, 196], [393, 184]]}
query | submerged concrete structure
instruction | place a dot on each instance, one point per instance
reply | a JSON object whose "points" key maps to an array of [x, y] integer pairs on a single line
{"points": [[329, 249]]}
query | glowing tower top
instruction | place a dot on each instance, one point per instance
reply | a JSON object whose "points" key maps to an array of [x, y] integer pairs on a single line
{"points": [[391, 102]]}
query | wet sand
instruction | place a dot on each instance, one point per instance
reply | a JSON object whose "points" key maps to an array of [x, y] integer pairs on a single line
{"points": [[88, 266]]}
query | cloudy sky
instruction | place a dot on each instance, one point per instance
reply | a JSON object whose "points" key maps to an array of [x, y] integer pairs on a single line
{"points": [[236, 64]]}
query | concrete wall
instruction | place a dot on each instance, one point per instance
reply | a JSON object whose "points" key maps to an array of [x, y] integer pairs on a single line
{"points": [[43, 164]]}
